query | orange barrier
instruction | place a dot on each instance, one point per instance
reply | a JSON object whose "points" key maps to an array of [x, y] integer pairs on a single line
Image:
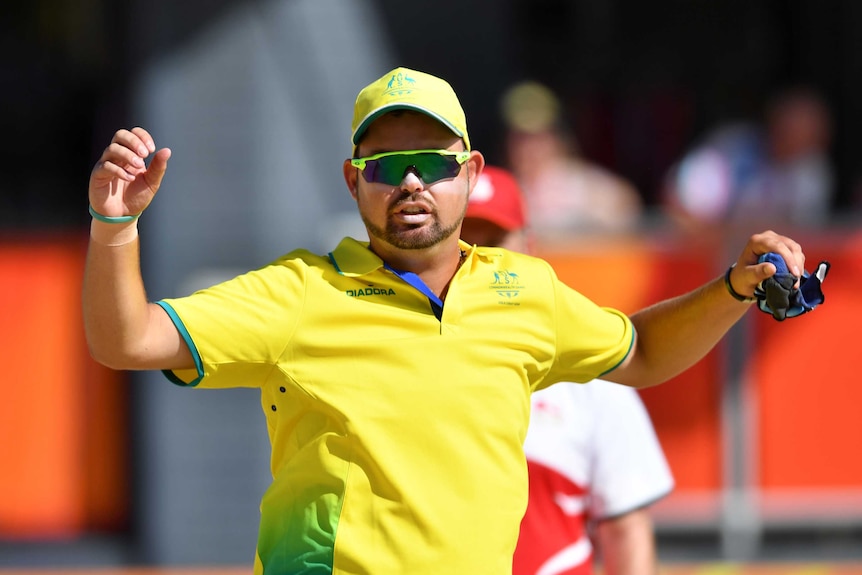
{"points": [[800, 373], [62, 417], [808, 386], [629, 274]]}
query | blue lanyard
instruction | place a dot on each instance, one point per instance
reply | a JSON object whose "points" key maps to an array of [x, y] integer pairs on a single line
{"points": [[416, 281]]}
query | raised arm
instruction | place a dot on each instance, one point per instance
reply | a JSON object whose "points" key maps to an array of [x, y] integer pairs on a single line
{"points": [[124, 330], [676, 333]]}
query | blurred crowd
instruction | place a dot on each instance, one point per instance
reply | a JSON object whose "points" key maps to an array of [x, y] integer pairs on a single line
{"points": [[775, 169]]}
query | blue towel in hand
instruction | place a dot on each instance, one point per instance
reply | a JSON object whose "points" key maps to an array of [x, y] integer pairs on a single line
{"points": [[777, 296]]}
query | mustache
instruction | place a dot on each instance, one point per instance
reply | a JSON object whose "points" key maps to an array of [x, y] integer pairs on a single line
{"points": [[411, 197]]}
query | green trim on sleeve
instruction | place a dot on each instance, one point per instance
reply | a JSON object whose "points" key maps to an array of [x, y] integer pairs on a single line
{"points": [[184, 333], [631, 343]]}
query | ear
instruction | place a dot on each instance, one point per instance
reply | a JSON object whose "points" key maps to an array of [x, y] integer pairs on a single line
{"points": [[351, 177]]}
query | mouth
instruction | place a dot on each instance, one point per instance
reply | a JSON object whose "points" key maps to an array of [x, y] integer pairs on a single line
{"points": [[413, 212]]}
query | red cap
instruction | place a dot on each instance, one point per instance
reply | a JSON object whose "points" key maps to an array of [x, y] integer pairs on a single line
{"points": [[497, 198]]}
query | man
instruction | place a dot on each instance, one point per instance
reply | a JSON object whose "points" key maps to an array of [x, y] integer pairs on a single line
{"points": [[779, 168], [565, 192], [396, 422], [594, 461]]}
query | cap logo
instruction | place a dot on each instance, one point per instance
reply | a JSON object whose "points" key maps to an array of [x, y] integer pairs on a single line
{"points": [[400, 84], [404, 89]]}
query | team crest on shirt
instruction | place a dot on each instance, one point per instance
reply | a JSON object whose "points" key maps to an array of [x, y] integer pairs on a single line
{"points": [[508, 286]]}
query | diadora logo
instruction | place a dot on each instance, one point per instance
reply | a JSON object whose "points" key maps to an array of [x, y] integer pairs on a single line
{"points": [[400, 84], [507, 284], [369, 291]]}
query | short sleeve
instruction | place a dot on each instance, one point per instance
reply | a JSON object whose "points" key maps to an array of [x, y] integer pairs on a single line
{"points": [[629, 468], [237, 330], [591, 340]]}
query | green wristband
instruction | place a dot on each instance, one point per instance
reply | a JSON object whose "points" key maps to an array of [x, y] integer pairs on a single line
{"points": [[737, 296], [113, 220]]}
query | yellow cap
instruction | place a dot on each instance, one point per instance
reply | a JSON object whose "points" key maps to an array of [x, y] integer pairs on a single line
{"points": [[405, 89]]}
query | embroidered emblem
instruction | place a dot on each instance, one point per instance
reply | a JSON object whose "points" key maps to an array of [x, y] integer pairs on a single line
{"points": [[507, 284], [400, 84]]}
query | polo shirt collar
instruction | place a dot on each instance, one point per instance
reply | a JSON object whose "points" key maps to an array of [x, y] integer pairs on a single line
{"points": [[352, 258]]}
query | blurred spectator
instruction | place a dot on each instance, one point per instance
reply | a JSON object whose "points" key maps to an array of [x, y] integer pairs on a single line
{"points": [[564, 191], [594, 461], [779, 170]]}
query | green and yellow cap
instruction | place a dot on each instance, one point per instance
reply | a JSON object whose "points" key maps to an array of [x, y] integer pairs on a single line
{"points": [[405, 89]]}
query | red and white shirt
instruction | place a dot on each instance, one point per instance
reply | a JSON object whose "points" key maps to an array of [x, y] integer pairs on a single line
{"points": [[592, 454]]}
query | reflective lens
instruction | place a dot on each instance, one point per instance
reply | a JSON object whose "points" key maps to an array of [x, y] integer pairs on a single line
{"points": [[429, 165]]}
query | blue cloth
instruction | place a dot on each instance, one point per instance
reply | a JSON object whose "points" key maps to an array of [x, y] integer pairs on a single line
{"points": [[777, 296]]}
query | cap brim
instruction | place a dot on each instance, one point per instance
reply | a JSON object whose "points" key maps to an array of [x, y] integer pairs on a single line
{"points": [[367, 121]]}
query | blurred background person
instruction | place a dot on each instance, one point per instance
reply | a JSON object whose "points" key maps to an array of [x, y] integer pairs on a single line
{"points": [[594, 460], [778, 169], [564, 191]]}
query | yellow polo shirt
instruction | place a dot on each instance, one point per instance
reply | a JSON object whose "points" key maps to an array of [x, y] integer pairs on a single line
{"points": [[396, 437]]}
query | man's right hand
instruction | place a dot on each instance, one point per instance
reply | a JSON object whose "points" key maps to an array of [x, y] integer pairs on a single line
{"points": [[121, 184]]}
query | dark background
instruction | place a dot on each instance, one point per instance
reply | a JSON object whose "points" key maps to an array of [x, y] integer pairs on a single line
{"points": [[640, 80]]}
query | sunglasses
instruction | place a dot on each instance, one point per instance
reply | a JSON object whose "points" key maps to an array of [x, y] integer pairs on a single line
{"points": [[429, 165]]}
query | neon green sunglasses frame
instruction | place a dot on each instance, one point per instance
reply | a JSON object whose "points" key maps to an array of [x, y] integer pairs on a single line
{"points": [[431, 165]]}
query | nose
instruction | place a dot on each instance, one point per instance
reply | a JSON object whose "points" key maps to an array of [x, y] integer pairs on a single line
{"points": [[411, 181]]}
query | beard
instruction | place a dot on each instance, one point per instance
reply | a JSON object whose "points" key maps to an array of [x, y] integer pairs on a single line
{"points": [[411, 238]]}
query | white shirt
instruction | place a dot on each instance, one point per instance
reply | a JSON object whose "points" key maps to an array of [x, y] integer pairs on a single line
{"points": [[593, 454]]}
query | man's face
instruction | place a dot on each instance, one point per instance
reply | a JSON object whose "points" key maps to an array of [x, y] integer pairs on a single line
{"points": [[414, 214]]}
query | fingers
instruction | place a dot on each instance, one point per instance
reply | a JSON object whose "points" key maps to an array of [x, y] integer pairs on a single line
{"points": [[784, 246], [121, 183], [138, 140], [124, 157], [158, 166], [146, 140], [749, 273]]}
